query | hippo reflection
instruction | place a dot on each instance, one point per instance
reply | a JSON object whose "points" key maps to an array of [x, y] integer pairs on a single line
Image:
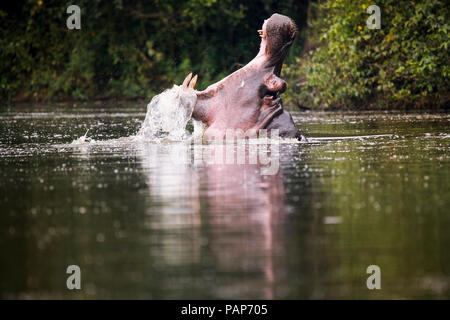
{"points": [[233, 207], [249, 99]]}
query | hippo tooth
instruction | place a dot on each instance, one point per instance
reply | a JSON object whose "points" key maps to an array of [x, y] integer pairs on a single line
{"points": [[242, 83], [186, 80], [193, 82]]}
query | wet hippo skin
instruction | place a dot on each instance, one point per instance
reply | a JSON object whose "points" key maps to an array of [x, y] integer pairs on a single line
{"points": [[249, 99]]}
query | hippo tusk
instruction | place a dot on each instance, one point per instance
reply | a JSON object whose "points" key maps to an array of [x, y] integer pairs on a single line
{"points": [[193, 82], [186, 80]]}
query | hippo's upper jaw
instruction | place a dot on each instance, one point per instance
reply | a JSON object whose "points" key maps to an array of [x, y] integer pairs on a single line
{"points": [[248, 99]]}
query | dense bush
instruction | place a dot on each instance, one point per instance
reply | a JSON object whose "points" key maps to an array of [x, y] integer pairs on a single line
{"points": [[405, 63], [136, 48], [126, 48]]}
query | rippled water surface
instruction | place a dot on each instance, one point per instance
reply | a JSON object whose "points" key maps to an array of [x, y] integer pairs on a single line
{"points": [[162, 220]]}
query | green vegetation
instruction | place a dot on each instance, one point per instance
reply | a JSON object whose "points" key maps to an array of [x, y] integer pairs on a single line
{"points": [[126, 49], [348, 65], [136, 48]]}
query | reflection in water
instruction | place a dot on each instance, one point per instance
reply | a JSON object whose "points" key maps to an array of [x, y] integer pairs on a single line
{"points": [[238, 207], [160, 221]]}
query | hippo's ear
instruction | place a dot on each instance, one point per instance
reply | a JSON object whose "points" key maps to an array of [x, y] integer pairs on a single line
{"points": [[186, 80]]}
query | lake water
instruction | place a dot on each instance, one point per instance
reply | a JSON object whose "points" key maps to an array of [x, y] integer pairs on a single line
{"points": [[163, 221]]}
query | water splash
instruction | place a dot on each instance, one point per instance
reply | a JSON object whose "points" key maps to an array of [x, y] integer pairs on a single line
{"points": [[83, 139], [168, 114]]}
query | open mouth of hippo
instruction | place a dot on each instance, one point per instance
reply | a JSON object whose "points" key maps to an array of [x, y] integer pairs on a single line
{"points": [[249, 99]]}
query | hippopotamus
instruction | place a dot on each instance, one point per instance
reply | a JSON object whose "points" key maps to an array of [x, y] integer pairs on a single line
{"points": [[249, 98]]}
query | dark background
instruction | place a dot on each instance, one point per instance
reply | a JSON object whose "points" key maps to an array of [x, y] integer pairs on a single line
{"points": [[128, 48], [134, 49]]}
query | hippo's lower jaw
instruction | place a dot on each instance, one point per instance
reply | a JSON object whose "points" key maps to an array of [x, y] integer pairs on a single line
{"points": [[248, 99], [285, 125], [228, 132]]}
